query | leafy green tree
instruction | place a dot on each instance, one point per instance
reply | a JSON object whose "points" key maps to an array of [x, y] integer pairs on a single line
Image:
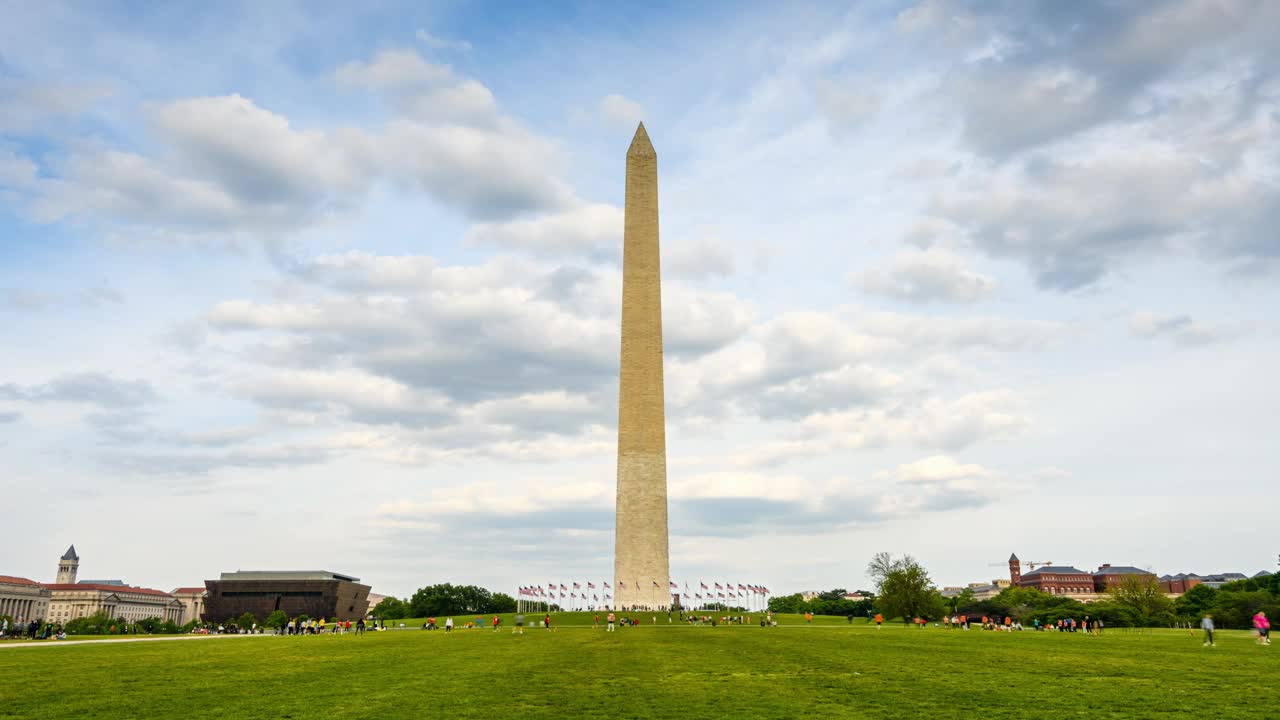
{"points": [[1195, 602], [964, 600], [501, 603], [904, 589], [277, 619], [391, 608], [246, 621], [1142, 599]]}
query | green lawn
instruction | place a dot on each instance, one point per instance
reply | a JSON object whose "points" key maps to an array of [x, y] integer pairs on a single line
{"points": [[832, 669]]}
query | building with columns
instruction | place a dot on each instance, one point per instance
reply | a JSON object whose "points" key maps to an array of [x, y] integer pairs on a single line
{"points": [[76, 600], [192, 601], [23, 600]]}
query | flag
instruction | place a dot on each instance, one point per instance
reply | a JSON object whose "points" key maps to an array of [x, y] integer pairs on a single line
{"points": [[674, 586], [718, 586], [576, 586], [595, 598], [655, 583], [704, 585], [622, 585], [591, 586], [563, 588], [606, 586]]}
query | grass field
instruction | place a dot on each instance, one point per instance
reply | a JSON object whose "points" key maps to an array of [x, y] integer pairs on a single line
{"points": [[831, 669]]}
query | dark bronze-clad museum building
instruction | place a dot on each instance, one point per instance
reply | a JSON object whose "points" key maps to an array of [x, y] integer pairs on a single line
{"points": [[314, 593]]}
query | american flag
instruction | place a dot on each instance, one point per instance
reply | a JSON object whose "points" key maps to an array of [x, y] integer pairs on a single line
{"points": [[674, 586], [719, 587], [591, 586], [655, 583], [704, 585], [576, 586], [563, 588], [622, 584], [606, 586]]}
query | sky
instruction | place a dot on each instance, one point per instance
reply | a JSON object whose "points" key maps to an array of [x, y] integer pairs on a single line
{"points": [[318, 286]]}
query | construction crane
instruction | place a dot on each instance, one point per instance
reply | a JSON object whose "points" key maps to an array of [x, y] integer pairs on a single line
{"points": [[1028, 564]]}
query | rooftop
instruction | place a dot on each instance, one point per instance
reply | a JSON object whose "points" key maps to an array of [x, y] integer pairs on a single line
{"points": [[188, 590], [70, 554], [12, 580], [1056, 570], [286, 575], [1122, 570], [105, 587]]}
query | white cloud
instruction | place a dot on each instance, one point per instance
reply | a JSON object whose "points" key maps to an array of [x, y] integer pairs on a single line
{"points": [[439, 43], [621, 113], [928, 276], [701, 257], [1181, 329]]}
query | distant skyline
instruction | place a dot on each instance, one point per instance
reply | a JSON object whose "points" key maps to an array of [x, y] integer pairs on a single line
{"points": [[308, 286]]}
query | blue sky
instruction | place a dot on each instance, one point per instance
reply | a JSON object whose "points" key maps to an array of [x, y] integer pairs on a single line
{"points": [[301, 286]]}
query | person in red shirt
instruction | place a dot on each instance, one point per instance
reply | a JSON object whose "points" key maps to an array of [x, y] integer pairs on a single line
{"points": [[495, 623], [879, 619]]}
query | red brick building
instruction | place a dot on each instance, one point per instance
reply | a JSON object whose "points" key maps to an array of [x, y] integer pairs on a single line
{"points": [[1109, 576], [1057, 580]]}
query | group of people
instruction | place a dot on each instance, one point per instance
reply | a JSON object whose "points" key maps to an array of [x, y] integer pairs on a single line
{"points": [[318, 627], [1261, 629], [31, 631]]}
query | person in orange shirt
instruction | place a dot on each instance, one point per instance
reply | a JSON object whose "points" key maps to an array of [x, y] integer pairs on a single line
{"points": [[808, 618], [611, 619], [1008, 623], [879, 619]]}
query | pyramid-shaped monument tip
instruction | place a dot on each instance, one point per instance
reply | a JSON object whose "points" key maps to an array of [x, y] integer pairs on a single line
{"points": [[640, 144]]}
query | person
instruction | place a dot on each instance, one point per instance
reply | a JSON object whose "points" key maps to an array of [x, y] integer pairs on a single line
{"points": [[519, 628], [448, 625], [1263, 627], [546, 621], [360, 626], [808, 618], [610, 619], [879, 620], [595, 624], [1206, 624]]}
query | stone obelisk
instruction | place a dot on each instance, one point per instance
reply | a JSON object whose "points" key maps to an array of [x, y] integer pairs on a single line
{"points": [[641, 566]]}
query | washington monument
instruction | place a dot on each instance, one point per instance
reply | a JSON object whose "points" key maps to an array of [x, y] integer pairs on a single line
{"points": [[641, 567]]}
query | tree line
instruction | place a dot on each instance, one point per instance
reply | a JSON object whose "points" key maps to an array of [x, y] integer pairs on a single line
{"points": [[905, 591], [443, 600]]}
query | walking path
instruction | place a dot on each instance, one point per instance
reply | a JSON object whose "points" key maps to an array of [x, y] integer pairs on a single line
{"points": [[62, 643]]}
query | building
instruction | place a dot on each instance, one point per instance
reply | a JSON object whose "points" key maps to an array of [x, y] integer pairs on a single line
{"points": [[119, 601], [68, 566], [23, 600], [1060, 580], [1109, 576], [192, 601], [641, 565], [1183, 582], [69, 599], [314, 593]]}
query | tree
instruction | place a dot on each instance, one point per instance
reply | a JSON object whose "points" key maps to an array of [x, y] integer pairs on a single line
{"points": [[1195, 602], [501, 603], [277, 619], [1142, 597], [246, 621], [391, 609], [904, 588], [962, 601]]}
